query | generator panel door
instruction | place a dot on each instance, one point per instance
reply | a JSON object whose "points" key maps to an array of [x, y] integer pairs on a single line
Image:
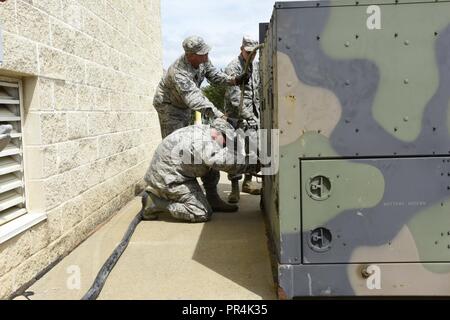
{"points": [[383, 210]]}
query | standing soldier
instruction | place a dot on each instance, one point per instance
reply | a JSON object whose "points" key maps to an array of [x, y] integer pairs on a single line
{"points": [[179, 94], [249, 110]]}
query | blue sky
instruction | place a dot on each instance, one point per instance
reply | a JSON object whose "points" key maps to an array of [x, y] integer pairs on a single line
{"points": [[221, 23]]}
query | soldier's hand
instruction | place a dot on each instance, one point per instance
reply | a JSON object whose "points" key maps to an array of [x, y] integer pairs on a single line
{"points": [[252, 124], [243, 78]]}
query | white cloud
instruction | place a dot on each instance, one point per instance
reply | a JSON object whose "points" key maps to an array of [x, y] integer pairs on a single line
{"points": [[221, 23]]}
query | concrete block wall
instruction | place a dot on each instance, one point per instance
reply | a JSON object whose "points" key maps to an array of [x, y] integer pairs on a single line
{"points": [[89, 70]]}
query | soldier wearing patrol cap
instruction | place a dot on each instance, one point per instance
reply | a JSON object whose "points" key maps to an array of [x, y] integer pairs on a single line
{"points": [[248, 110], [172, 184], [179, 93]]}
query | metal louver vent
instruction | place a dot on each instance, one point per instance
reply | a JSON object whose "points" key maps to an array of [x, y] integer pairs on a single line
{"points": [[12, 186]]}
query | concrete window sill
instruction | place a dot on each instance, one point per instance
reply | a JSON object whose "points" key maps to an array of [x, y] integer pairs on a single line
{"points": [[19, 225]]}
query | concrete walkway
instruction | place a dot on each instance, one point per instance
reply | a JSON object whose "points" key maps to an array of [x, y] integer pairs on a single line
{"points": [[226, 258]]}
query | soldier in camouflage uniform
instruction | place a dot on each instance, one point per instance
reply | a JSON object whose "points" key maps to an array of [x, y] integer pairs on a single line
{"points": [[172, 183], [249, 110], [179, 93]]}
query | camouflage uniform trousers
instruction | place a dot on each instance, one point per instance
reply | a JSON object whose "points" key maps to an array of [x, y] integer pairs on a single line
{"points": [[238, 177], [191, 207], [171, 119]]}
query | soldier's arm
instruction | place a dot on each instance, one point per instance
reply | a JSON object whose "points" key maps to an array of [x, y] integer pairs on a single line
{"points": [[193, 97], [233, 94], [216, 76], [227, 161], [235, 169]]}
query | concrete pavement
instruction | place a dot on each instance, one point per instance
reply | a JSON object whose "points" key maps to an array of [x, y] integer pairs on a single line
{"points": [[226, 258]]}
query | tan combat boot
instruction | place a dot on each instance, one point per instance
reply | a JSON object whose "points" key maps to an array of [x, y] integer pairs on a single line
{"points": [[250, 187], [234, 196]]}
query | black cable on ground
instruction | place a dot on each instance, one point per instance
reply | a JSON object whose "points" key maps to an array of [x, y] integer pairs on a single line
{"points": [[107, 267], [104, 272]]}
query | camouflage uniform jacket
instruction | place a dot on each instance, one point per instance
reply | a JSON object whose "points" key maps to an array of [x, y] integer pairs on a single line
{"points": [[250, 109], [168, 174], [180, 86]]}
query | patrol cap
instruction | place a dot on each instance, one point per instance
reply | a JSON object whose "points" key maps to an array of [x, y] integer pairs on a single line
{"points": [[249, 44], [196, 45]]}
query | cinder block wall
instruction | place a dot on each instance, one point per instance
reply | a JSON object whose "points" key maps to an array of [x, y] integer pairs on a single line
{"points": [[89, 71]]}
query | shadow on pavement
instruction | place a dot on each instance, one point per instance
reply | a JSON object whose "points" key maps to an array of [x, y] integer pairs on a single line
{"points": [[234, 245]]}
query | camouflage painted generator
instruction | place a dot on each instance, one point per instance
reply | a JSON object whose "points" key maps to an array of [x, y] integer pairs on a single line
{"points": [[360, 93]]}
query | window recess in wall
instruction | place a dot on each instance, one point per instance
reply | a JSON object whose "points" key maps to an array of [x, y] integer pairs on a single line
{"points": [[12, 184]]}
